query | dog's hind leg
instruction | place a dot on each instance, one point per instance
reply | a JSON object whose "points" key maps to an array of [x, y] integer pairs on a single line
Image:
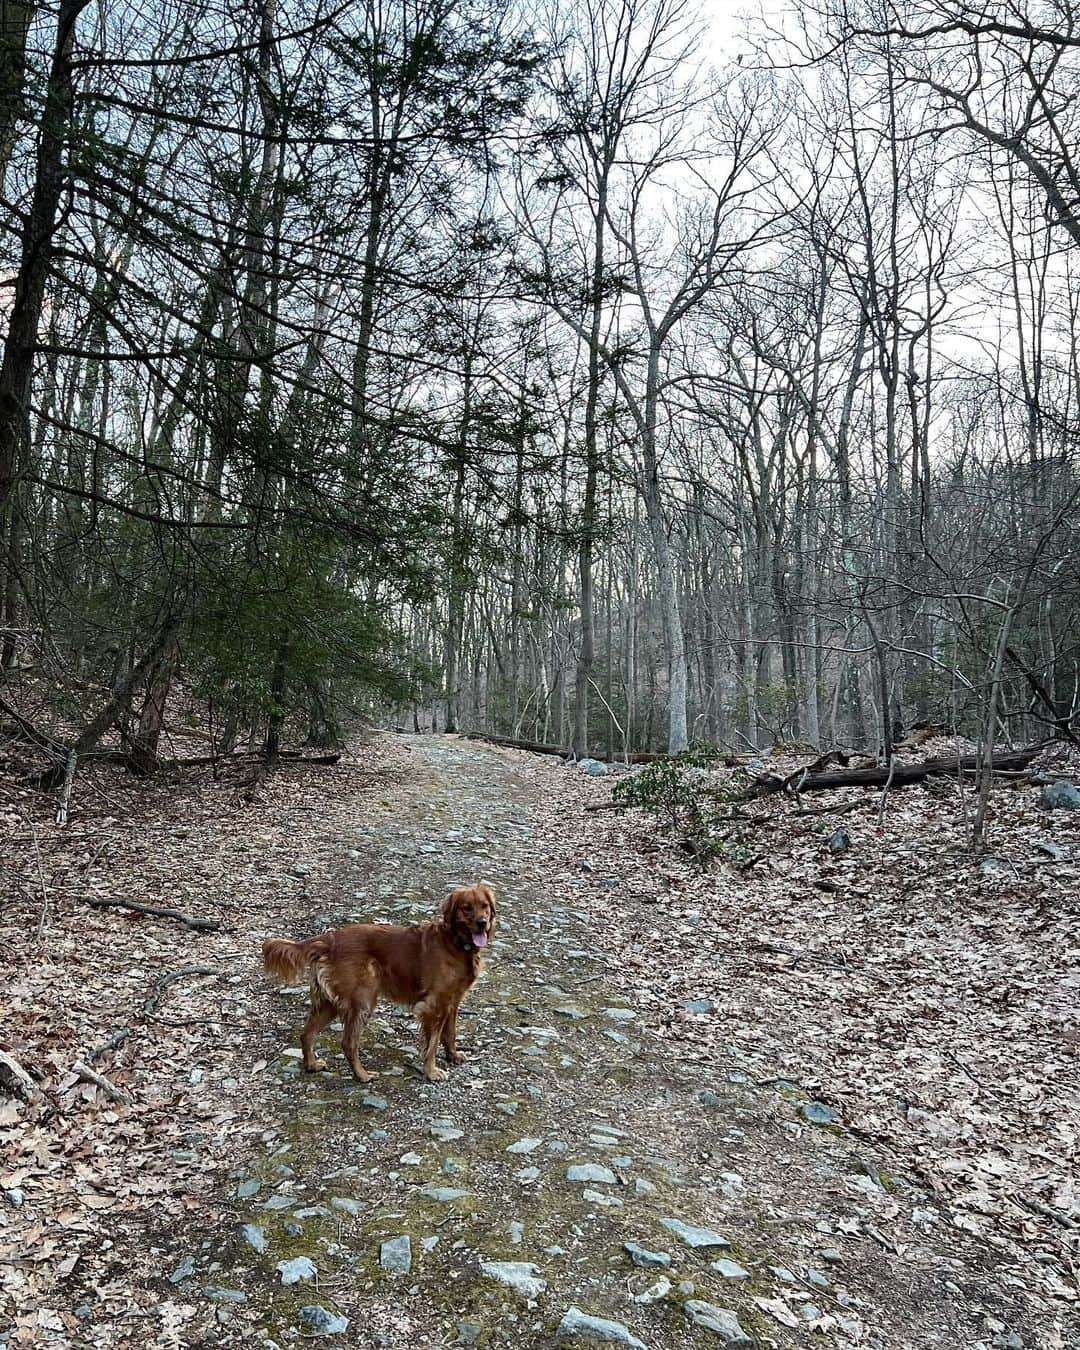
{"points": [[322, 1014]]}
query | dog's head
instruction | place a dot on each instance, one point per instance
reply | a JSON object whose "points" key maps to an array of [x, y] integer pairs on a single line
{"points": [[468, 913]]}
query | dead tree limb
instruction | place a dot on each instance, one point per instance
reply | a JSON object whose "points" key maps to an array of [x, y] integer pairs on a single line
{"points": [[85, 1074], [879, 774], [157, 993], [114, 1042], [158, 912]]}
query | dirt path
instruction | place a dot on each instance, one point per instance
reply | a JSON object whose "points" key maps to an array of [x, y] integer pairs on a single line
{"points": [[418, 1214]]}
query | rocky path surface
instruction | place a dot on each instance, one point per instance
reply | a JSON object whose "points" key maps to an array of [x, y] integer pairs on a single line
{"points": [[569, 1184]]}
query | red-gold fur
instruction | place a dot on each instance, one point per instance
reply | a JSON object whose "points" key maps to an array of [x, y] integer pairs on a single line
{"points": [[429, 967]]}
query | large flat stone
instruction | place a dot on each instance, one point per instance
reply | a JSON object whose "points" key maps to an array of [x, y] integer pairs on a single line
{"points": [[576, 1323], [520, 1276], [694, 1236]]}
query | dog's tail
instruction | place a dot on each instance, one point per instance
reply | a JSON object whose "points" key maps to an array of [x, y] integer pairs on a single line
{"points": [[290, 961]]}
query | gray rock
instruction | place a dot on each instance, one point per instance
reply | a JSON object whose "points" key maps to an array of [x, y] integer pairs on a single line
{"points": [[720, 1320], [655, 1292], [643, 1187], [527, 1174], [446, 1131], [597, 770], [468, 1333], [301, 870], [1061, 796], [254, 1236], [1051, 850], [291, 1229], [621, 1014], [520, 1276], [991, 867], [278, 1202], [817, 1113], [216, 1294], [577, 1323], [592, 1173], [395, 1255], [444, 1194], [839, 841], [347, 1205], [324, 1323], [248, 1188], [14, 1196], [607, 1201], [183, 1271], [731, 1270], [694, 1236], [373, 1102], [524, 1146], [574, 1014], [699, 1005], [641, 1256], [299, 1268], [708, 1098]]}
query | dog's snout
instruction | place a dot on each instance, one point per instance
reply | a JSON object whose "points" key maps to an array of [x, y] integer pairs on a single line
{"points": [[481, 923]]}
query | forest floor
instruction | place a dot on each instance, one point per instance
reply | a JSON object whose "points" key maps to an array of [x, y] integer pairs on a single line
{"points": [[859, 1072]]}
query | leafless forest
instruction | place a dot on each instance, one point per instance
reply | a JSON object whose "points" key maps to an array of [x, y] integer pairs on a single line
{"points": [[610, 374]]}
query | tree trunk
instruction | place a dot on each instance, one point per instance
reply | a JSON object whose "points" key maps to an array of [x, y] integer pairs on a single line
{"points": [[16, 370]]}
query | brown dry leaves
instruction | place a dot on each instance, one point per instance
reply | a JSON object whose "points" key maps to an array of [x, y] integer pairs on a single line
{"points": [[108, 1188], [933, 1004]]}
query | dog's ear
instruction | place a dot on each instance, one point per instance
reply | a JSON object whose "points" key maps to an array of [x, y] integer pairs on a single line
{"points": [[489, 895], [449, 905]]}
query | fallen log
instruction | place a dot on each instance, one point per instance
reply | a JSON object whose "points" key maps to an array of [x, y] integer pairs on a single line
{"points": [[158, 912], [897, 775]]}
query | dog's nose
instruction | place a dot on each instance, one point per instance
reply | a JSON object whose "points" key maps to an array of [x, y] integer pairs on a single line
{"points": [[481, 924]]}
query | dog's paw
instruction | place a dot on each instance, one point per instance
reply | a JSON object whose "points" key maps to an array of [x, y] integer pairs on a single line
{"points": [[315, 1066], [456, 1057], [436, 1075]]}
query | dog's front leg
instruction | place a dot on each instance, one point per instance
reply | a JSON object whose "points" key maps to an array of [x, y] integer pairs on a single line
{"points": [[431, 1025], [449, 1037]]}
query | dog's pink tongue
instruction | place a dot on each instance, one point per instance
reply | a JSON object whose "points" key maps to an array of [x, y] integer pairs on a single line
{"points": [[479, 939]]}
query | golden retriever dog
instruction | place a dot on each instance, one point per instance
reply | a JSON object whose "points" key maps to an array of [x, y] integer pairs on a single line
{"points": [[427, 966]]}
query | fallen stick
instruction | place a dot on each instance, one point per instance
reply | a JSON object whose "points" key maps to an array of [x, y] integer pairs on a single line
{"points": [[113, 1043], [87, 1075], [158, 911], [150, 1004]]}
